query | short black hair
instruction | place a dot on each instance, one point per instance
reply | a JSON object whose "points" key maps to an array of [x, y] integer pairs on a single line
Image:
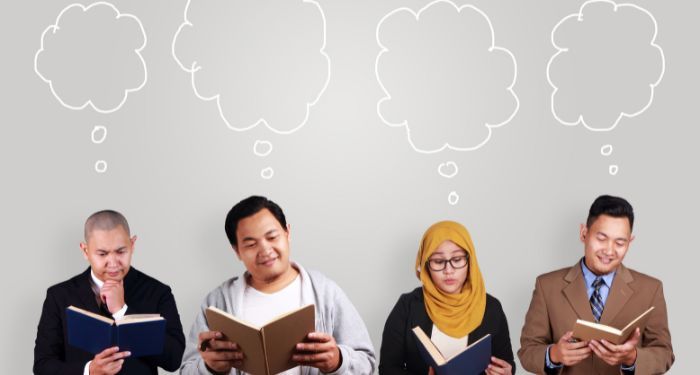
{"points": [[249, 207], [105, 220], [611, 206]]}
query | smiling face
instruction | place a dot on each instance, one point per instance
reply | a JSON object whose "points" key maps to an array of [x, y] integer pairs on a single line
{"points": [[606, 242], [450, 280], [263, 247], [109, 253]]}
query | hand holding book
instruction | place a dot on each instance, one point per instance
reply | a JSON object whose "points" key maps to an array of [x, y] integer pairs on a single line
{"points": [[219, 354], [624, 354], [321, 351]]}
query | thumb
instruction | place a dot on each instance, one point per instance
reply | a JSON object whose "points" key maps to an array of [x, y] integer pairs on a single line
{"points": [[635, 337], [567, 336]]}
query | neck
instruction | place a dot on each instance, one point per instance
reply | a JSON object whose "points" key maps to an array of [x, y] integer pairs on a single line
{"points": [[275, 284]]}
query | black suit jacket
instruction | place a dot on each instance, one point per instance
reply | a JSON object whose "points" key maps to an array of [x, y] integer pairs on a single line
{"points": [[142, 293], [399, 352]]}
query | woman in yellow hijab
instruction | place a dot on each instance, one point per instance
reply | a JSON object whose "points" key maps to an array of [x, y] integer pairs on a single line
{"points": [[452, 307]]}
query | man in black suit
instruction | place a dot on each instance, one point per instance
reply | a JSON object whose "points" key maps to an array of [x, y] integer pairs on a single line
{"points": [[112, 288]]}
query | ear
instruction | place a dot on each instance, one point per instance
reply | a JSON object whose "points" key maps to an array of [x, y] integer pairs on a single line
{"points": [[236, 251], [289, 231], [631, 239], [84, 248], [583, 231], [133, 242]]}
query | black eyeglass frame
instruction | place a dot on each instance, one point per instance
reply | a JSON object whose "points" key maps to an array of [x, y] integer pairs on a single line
{"points": [[444, 265]]}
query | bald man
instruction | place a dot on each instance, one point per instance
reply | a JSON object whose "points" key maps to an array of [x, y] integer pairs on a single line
{"points": [[112, 288]]}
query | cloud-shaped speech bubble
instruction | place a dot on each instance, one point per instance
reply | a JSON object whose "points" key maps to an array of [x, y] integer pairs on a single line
{"points": [[91, 56], [606, 66], [444, 78], [262, 61]]}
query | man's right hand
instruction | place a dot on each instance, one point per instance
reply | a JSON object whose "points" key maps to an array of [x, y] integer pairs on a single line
{"points": [[569, 353], [108, 361], [219, 354]]}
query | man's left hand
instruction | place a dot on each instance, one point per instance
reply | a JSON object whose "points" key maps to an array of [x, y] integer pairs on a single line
{"points": [[320, 351], [624, 354]]}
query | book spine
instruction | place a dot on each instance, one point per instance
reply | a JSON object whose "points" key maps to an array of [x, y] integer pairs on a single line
{"points": [[115, 336], [264, 345]]}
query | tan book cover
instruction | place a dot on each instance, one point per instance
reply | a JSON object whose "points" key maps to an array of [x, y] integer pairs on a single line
{"points": [[267, 349], [585, 330]]}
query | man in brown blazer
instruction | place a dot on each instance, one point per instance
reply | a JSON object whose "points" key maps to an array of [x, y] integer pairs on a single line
{"points": [[597, 288]]}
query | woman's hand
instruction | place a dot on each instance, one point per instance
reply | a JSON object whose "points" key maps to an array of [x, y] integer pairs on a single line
{"points": [[499, 367]]}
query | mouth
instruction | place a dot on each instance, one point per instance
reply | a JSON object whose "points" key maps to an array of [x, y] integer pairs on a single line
{"points": [[450, 281], [605, 260], [267, 262], [113, 274]]}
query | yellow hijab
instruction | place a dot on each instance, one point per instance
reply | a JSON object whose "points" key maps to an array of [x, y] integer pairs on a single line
{"points": [[454, 314]]}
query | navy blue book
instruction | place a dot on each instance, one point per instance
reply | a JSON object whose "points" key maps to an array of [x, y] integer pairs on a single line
{"points": [[140, 334], [471, 361]]}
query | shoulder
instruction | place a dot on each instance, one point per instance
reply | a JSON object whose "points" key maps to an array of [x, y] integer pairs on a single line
{"points": [[642, 279], [218, 295], [68, 285], [322, 283], [144, 280], [553, 278]]}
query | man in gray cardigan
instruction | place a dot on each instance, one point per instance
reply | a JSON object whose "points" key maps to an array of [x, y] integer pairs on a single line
{"points": [[273, 285]]}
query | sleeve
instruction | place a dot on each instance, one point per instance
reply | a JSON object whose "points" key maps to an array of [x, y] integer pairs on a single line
{"points": [[49, 348], [502, 348], [536, 334], [392, 356], [351, 335], [192, 362], [655, 354], [174, 344]]}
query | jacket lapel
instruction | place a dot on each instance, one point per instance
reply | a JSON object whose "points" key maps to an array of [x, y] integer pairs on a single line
{"points": [[620, 293], [575, 292], [86, 295]]}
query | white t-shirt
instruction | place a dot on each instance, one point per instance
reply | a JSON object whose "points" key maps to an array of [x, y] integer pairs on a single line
{"points": [[448, 345], [259, 308]]}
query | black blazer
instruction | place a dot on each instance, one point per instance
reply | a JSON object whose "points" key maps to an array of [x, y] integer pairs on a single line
{"points": [[399, 352], [142, 293]]}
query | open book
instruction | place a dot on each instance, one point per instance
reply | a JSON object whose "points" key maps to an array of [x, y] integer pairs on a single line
{"points": [[585, 330], [140, 334], [472, 360], [267, 349]]}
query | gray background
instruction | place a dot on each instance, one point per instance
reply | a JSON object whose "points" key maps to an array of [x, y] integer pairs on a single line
{"points": [[357, 195]]}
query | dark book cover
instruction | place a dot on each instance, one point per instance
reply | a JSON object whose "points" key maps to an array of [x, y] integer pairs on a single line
{"points": [[471, 361], [140, 335]]}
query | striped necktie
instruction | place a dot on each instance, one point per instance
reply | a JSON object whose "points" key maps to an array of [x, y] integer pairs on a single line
{"points": [[596, 300]]}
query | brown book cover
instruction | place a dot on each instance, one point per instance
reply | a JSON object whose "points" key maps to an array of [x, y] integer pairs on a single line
{"points": [[585, 330], [267, 349]]}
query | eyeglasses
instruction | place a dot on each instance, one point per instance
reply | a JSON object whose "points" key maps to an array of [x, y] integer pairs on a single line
{"points": [[440, 264]]}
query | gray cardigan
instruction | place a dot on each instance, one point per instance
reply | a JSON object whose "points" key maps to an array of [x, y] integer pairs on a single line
{"points": [[335, 315]]}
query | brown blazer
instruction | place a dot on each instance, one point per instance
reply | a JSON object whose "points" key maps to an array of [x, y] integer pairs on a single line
{"points": [[560, 298]]}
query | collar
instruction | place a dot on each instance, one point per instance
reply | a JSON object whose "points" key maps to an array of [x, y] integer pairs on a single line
{"points": [[97, 281], [590, 277]]}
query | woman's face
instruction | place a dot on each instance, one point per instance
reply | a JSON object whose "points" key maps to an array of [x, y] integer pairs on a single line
{"points": [[448, 267]]}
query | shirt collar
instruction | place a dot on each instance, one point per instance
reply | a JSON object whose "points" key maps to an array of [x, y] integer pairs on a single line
{"points": [[97, 281], [590, 276]]}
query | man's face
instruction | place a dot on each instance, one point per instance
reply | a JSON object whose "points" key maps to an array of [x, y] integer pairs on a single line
{"points": [[109, 253], [606, 243], [263, 246]]}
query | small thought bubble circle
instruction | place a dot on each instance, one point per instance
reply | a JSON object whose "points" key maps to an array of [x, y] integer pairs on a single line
{"points": [[262, 148], [101, 166], [606, 150], [267, 173], [613, 169], [453, 198], [99, 134], [448, 169]]}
